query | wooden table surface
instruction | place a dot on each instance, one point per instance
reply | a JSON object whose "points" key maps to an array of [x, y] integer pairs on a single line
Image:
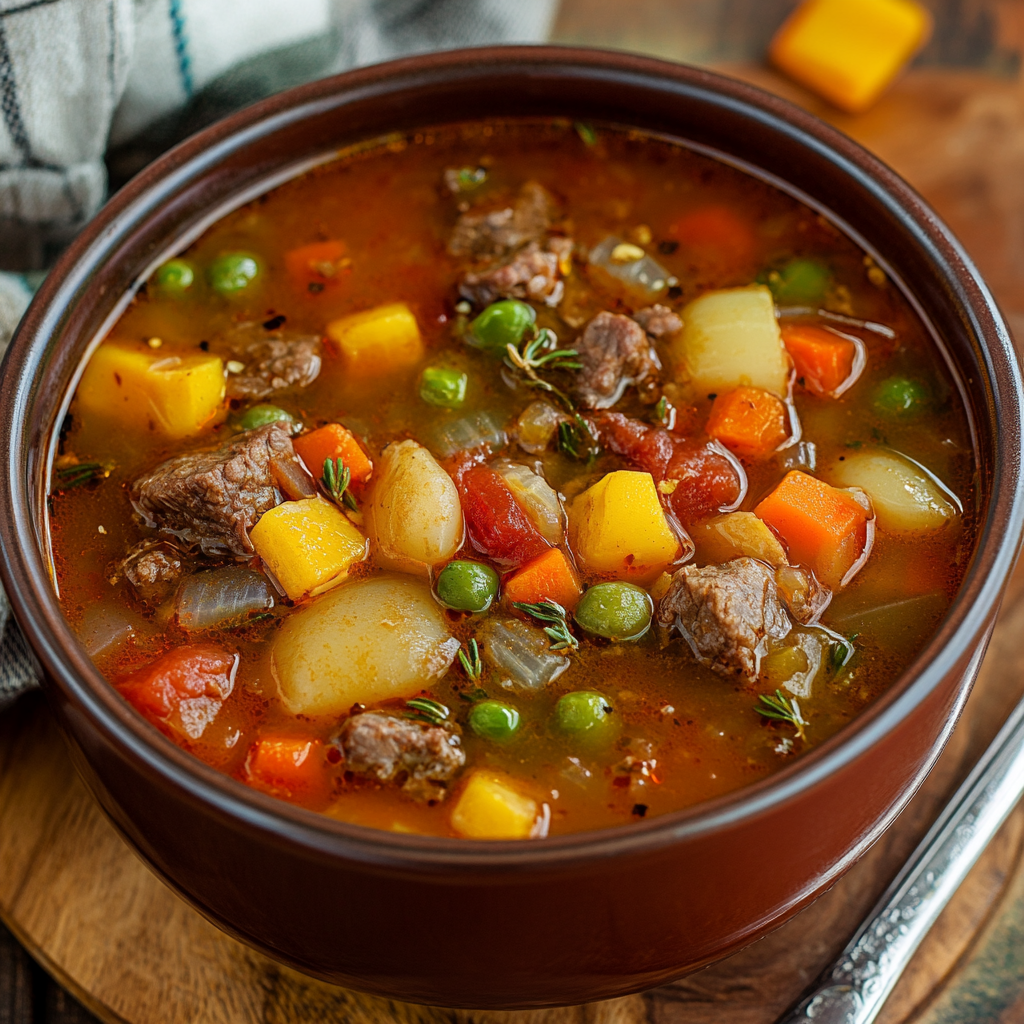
{"points": [[954, 127]]}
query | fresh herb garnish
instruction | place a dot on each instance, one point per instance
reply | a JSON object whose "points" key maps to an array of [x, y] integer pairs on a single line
{"points": [[82, 473], [782, 709], [424, 709], [586, 133], [474, 696], [470, 177], [471, 663], [551, 611], [336, 480], [840, 652]]}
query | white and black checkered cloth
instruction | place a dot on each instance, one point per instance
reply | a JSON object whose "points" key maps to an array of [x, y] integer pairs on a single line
{"points": [[87, 85]]}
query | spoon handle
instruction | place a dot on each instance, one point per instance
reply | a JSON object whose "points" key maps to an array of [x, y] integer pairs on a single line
{"points": [[854, 988]]}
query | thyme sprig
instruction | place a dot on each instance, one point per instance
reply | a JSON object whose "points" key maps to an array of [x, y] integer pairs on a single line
{"points": [[840, 652], [782, 709], [82, 473], [551, 611], [423, 709], [471, 663], [336, 479]]}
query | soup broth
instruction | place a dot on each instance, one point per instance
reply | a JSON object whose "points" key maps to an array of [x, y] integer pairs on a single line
{"points": [[512, 479]]}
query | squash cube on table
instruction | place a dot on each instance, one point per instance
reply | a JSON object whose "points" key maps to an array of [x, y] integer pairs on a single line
{"points": [[730, 338], [489, 808], [823, 528], [617, 528], [378, 341], [848, 51], [141, 389], [308, 545]]}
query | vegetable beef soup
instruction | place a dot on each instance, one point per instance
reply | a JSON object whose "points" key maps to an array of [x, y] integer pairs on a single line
{"points": [[512, 479]]}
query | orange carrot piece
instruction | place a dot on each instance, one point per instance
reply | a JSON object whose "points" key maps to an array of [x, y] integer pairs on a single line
{"points": [[823, 360], [314, 268], [718, 235], [334, 442], [548, 577], [749, 421], [287, 766], [824, 528]]}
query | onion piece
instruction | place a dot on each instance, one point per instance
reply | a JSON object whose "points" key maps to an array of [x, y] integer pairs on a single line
{"points": [[644, 275], [537, 426], [537, 497], [477, 430], [522, 652], [219, 598], [291, 478]]}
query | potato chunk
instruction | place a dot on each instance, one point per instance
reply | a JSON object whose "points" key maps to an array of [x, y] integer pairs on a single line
{"points": [[730, 339], [414, 515], [617, 527], [906, 499], [309, 545], [144, 389], [737, 535], [489, 808], [378, 341], [365, 642]]}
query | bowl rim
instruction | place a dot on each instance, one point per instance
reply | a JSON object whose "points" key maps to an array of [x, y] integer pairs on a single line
{"points": [[80, 684]]}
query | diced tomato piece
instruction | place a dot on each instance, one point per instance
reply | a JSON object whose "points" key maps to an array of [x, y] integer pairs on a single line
{"points": [[823, 360], [317, 267], [496, 523], [334, 442], [288, 766], [717, 236], [187, 673]]}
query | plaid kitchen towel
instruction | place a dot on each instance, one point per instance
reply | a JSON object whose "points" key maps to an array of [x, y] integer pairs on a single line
{"points": [[92, 90]]}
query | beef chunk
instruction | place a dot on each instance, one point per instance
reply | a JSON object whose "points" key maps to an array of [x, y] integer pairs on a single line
{"points": [[726, 613], [531, 273], [273, 364], [421, 758], [491, 236], [615, 353], [152, 568], [213, 498], [658, 321]]}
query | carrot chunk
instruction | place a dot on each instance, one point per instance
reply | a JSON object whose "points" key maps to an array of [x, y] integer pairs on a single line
{"points": [[718, 235], [749, 421], [314, 268], [287, 766], [824, 361], [824, 528], [548, 577], [334, 442]]}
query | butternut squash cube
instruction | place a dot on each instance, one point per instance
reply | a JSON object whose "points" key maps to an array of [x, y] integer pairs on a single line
{"points": [[849, 50], [730, 339], [309, 545], [143, 389], [617, 528], [489, 808], [378, 341]]}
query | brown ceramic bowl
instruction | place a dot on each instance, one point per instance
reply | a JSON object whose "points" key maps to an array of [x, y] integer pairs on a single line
{"points": [[502, 924]]}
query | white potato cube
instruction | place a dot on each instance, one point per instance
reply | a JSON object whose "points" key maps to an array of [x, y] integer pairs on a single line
{"points": [[731, 338], [906, 498]]}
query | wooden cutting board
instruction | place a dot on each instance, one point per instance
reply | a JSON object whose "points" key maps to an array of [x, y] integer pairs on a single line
{"points": [[132, 952]]}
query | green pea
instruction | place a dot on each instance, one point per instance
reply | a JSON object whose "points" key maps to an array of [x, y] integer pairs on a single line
{"points": [[800, 280], [446, 388], [617, 611], [257, 416], [494, 720], [900, 396], [501, 324], [174, 277], [233, 272], [586, 717], [467, 586]]}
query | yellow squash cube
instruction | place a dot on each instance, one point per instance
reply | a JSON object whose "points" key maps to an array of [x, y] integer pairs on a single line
{"points": [[489, 808], [617, 528], [379, 340], [309, 545], [142, 389], [848, 51]]}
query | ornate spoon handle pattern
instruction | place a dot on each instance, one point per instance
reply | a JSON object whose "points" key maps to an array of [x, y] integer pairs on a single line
{"points": [[854, 988]]}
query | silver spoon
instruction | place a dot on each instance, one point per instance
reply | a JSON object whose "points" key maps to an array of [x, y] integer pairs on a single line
{"points": [[854, 988]]}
